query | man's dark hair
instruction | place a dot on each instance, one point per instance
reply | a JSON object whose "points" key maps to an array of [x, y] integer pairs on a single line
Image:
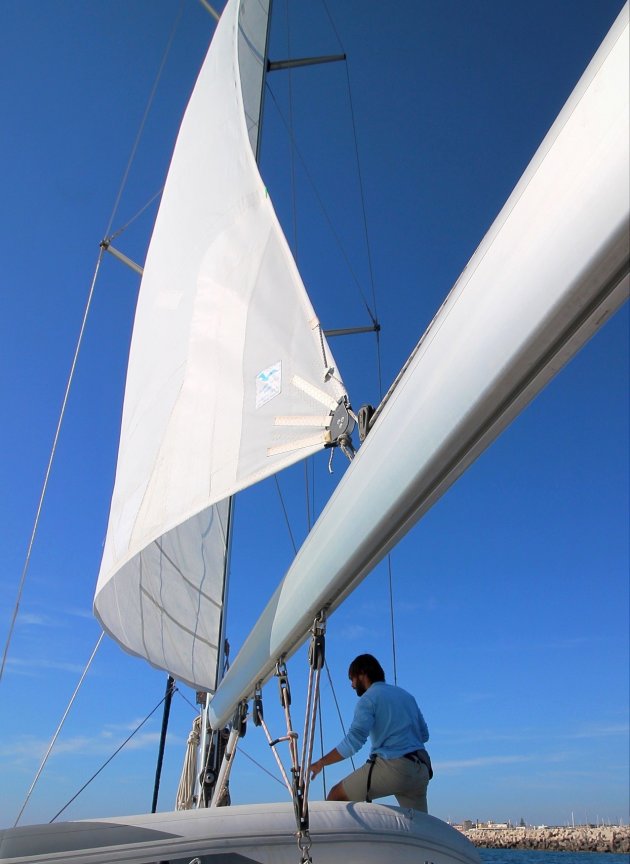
{"points": [[369, 665]]}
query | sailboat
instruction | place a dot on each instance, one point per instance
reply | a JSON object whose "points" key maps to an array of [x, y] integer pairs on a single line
{"points": [[231, 378]]}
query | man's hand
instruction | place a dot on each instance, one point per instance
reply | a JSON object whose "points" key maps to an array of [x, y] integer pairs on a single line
{"points": [[316, 768], [329, 759]]}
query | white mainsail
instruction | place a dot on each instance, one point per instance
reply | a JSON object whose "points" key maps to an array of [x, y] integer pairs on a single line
{"points": [[230, 378], [551, 270]]}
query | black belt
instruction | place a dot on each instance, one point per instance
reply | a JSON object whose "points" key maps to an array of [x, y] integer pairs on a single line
{"points": [[371, 762], [420, 757]]}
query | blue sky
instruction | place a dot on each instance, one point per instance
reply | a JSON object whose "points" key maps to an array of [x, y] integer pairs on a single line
{"points": [[511, 595]]}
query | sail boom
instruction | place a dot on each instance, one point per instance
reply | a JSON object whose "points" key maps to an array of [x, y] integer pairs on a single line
{"points": [[551, 270]]}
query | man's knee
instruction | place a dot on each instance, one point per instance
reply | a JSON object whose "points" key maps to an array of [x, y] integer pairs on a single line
{"points": [[337, 793]]}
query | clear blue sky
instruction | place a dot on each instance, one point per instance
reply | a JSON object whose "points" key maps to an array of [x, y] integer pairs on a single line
{"points": [[511, 596]]}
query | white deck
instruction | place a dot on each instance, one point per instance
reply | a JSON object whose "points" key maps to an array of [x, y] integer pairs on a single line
{"points": [[354, 833]]}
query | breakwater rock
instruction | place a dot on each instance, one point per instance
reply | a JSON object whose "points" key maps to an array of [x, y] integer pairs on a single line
{"points": [[580, 839]]}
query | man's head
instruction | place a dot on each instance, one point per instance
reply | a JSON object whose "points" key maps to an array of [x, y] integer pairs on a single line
{"points": [[364, 671]]}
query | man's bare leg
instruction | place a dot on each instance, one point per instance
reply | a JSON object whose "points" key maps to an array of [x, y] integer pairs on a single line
{"points": [[337, 793]]}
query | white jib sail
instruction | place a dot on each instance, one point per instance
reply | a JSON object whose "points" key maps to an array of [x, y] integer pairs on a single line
{"points": [[226, 350]]}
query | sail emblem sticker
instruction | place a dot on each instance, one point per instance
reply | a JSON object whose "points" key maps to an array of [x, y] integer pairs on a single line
{"points": [[268, 383]]}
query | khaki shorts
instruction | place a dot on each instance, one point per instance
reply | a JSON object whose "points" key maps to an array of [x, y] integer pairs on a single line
{"points": [[404, 779]]}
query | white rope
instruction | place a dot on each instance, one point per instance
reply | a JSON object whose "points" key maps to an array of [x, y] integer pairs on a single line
{"points": [[56, 735], [186, 788], [265, 729], [309, 736]]}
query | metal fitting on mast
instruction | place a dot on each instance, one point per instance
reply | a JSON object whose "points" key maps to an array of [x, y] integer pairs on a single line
{"points": [[317, 648], [340, 427]]}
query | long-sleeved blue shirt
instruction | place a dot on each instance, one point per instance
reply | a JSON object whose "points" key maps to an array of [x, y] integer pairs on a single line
{"points": [[392, 719]]}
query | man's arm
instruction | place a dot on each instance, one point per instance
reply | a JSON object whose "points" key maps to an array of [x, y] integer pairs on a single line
{"points": [[329, 759]]}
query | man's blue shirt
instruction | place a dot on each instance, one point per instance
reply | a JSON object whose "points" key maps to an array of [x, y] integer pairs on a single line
{"points": [[392, 719]]}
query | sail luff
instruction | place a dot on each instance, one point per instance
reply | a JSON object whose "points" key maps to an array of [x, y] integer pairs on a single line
{"points": [[551, 270], [253, 95]]}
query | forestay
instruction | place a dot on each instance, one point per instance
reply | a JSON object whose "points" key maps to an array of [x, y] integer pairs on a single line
{"points": [[229, 380]]}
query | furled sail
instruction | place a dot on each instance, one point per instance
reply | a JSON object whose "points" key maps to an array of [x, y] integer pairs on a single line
{"points": [[552, 269], [230, 377]]}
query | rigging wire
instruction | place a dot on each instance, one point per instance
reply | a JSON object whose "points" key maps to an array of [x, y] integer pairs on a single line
{"points": [[372, 310], [106, 763], [137, 215], [262, 767], [332, 687], [323, 209], [55, 444], [149, 105], [187, 700], [391, 614], [294, 222], [286, 515], [291, 138], [373, 287], [59, 727], [79, 344], [51, 458], [330, 681], [209, 9], [307, 495], [321, 746]]}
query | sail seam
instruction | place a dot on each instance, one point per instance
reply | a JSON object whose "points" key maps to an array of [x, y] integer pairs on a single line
{"points": [[185, 578], [174, 620]]}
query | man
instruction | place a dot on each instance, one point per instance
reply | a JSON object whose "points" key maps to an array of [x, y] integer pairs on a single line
{"points": [[399, 764]]}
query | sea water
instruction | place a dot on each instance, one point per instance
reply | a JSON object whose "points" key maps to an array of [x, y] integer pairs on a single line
{"points": [[542, 856]]}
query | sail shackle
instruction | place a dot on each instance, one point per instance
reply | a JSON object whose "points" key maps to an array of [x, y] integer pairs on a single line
{"points": [[257, 708], [283, 684], [317, 648], [239, 721], [317, 651]]}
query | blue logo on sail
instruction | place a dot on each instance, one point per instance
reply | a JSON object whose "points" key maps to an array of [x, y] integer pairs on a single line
{"points": [[268, 383]]}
